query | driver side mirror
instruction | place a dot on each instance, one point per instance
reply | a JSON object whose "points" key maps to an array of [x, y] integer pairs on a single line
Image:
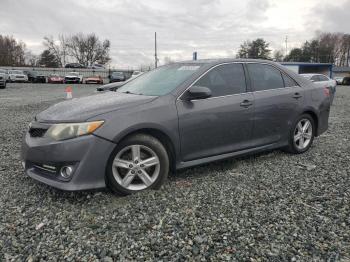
{"points": [[197, 92]]}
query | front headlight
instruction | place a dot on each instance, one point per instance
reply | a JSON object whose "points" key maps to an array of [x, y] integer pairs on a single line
{"points": [[71, 130]]}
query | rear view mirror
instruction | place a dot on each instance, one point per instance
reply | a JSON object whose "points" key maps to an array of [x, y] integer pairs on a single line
{"points": [[197, 92]]}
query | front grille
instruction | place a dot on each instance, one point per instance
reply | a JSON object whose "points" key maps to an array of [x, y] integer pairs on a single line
{"points": [[37, 132], [19, 76]]}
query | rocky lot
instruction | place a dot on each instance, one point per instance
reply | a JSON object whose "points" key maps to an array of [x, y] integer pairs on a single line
{"points": [[272, 206]]}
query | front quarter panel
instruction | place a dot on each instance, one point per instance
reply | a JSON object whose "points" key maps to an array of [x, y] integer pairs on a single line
{"points": [[159, 114]]}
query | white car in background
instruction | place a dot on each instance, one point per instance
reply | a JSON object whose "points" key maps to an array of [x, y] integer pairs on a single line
{"points": [[136, 74], [73, 78], [17, 76], [323, 81], [339, 80], [5, 74]]}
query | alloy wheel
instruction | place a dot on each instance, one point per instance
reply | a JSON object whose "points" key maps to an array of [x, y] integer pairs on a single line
{"points": [[136, 167], [303, 134]]}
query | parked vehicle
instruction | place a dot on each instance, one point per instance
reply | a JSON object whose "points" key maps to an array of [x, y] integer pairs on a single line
{"points": [[55, 79], [3, 80], [136, 74], [94, 80], [96, 66], [323, 81], [176, 116], [339, 80], [74, 65], [346, 80], [17, 76], [35, 77], [117, 77], [73, 77], [5, 74]]}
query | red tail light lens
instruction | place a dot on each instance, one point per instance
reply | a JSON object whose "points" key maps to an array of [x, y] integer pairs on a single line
{"points": [[326, 91]]}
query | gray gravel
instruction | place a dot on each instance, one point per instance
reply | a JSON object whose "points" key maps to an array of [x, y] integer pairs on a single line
{"points": [[272, 206]]}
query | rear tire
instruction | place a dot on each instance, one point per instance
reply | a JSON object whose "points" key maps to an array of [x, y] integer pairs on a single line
{"points": [[301, 135], [138, 163]]}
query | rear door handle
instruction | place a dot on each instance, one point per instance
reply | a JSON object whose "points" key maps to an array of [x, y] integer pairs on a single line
{"points": [[297, 95], [246, 103]]}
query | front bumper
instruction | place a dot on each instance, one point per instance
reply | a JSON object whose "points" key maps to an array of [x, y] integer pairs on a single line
{"points": [[87, 154]]}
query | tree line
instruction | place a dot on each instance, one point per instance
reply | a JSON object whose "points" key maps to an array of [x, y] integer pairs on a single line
{"points": [[88, 49], [324, 48], [85, 49]]}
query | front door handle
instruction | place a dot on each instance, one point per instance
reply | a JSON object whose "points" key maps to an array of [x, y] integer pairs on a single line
{"points": [[297, 95], [246, 103]]}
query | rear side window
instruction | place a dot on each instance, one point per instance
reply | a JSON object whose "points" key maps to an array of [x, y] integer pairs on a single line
{"points": [[322, 78], [264, 77], [315, 78], [288, 81], [224, 80]]}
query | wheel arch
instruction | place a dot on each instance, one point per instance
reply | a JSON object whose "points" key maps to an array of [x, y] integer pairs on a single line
{"points": [[314, 116], [161, 135]]}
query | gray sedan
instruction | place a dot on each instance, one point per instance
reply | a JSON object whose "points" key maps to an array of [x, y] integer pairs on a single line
{"points": [[173, 117]]}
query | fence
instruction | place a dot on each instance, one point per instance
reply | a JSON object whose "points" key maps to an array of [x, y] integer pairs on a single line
{"points": [[104, 73]]}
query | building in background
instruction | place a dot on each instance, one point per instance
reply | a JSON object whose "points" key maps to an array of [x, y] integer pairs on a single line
{"points": [[306, 68]]}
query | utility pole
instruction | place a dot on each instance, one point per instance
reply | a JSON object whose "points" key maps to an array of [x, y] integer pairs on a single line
{"points": [[155, 50], [286, 45]]}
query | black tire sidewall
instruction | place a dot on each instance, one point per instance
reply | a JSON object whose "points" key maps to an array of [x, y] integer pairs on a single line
{"points": [[145, 140], [292, 145]]}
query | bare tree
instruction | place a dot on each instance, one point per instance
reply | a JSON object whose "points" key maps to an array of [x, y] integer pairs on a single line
{"points": [[88, 49], [168, 60], [278, 55], [12, 52], [58, 48]]}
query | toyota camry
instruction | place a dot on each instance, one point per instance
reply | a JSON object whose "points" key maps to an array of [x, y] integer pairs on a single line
{"points": [[176, 116]]}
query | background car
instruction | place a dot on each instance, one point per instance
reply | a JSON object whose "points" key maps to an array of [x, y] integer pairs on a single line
{"points": [[339, 80], [17, 76], [35, 77], [136, 74], [4, 72], [55, 79], [3, 80], [322, 81], [346, 80], [117, 77], [74, 65], [96, 66], [73, 77], [94, 80]]}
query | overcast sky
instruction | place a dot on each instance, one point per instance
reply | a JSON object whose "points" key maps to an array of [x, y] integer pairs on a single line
{"points": [[214, 28]]}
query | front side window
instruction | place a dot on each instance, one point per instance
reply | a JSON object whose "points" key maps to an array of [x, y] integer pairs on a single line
{"points": [[264, 77], [224, 80], [288, 81], [160, 81]]}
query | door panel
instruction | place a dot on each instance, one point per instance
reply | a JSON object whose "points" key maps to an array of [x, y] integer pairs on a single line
{"points": [[274, 113], [215, 125]]}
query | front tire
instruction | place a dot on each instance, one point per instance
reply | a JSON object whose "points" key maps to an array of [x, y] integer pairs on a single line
{"points": [[138, 163], [301, 135]]}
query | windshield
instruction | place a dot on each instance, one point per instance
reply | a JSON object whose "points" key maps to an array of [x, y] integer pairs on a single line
{"points": [[73, 74], [117, 74], [159, 81]]}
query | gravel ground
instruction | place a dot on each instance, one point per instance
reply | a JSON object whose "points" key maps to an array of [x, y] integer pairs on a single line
{"points": [[272, 206]]}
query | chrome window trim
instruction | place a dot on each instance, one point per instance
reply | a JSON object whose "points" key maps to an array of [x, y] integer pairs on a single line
{"points": [[250, 92], [199, 77]]}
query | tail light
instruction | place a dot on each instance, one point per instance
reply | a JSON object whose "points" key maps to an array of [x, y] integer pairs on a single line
{"points": [[326, 91]]}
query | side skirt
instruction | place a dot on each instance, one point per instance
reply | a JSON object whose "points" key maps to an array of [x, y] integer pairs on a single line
{"points": [[249, 151]]}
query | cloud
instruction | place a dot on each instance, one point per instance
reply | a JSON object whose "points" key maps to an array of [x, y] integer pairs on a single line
{"points": [[213, 28]]}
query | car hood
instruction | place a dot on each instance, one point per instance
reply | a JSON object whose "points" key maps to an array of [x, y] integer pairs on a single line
{"points": [[72, 76], [81, 109]]}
